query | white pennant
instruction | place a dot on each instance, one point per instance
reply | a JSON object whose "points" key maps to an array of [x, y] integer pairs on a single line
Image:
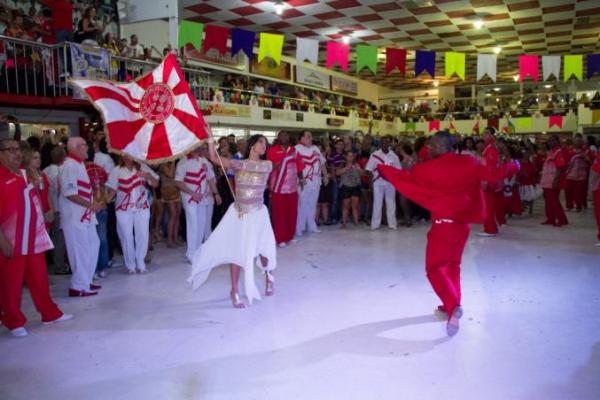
{"points": [[551, 65], [486, 64], [307, 49]]}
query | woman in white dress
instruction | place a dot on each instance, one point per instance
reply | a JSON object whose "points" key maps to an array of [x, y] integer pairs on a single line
{"points": [[244, 238]]}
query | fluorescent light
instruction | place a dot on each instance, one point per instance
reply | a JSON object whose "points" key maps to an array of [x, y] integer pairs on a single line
{"points": [[436, 83], [497, 89], [346, 39], [547, 86], [497, 49], [279, 6], [478, 24], [516, 78]]}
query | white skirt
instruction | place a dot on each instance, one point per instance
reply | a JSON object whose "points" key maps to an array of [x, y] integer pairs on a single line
{"points": [[530, 192], [237, 240]]}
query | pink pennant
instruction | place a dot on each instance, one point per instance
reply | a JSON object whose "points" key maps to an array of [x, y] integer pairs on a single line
{"points": [[529, 65], [434, 125], [337, 53], [555, 120]]}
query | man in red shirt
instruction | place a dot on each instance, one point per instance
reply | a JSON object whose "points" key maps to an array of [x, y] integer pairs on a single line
{"points": [[23, 242], [552, 171], [577, 173], [283, 185], [449, 185], [491, 162]]}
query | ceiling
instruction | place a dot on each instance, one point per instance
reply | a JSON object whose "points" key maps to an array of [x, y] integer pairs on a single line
{"points": [[541, 27]]}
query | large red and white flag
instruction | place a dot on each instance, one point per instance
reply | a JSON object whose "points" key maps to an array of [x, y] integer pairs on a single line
{"points": [[153, 118]]}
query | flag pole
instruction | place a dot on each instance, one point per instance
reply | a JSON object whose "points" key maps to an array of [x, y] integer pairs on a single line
{"points": [[221, 165]]}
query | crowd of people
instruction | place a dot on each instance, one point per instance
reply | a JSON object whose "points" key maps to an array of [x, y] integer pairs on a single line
{"points": [[91, 205]]}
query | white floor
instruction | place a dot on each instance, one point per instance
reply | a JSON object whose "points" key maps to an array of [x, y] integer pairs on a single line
{"points": [[351, 319]]}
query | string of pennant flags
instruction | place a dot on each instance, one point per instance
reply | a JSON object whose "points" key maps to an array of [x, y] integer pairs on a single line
{"points": [[271, 45]]}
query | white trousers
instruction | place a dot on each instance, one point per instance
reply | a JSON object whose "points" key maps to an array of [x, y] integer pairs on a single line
{"points": [[133, 228], [307, 207], [208, 221], [195, 227], [83, 245], [380, 191]]}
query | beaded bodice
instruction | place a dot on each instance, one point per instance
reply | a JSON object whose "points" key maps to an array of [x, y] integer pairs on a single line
{"points": [[250, 183]]}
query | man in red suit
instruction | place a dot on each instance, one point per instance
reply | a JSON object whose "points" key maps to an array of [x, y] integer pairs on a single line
{"points": [[283, 185], [595, 187], [552, 172], [449, 185]]}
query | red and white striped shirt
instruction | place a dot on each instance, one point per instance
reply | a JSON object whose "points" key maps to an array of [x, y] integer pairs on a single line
{"points": [[195, 172], [130, 187], [380, 158], [74, 180], [286, 163], [313, 162]]}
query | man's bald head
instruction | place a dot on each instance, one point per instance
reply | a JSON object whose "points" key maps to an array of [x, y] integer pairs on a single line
{"points": [[78, 147], [441, 143]]}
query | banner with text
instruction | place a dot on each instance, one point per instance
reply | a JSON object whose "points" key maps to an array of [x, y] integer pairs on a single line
{"points": [[89, 63], [344, 85], [310, 77]]}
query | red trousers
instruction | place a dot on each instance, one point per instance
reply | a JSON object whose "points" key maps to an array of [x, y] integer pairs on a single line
{"points": [[30, 269], [489, 225], [445, 244], [554, 211], [500, 206], [284, 212], [514, 204], [597, 209], [576, 193]]}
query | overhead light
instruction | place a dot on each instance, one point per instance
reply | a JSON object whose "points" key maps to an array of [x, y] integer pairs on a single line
{"points": [[279, 6], [346, 39], [497, 99], [497, 49], [497, 89], [478, 24], [516, 78], [547, 86], [436, 83]]}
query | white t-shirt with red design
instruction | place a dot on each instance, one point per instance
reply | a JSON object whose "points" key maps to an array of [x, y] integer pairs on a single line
{"points": [[313, 162], [74, 180], [130, 187], [195, 172], [381, 158]]}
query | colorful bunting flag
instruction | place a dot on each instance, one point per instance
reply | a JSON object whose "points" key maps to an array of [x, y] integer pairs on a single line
{"points": [[410, 126], [366, 56], [509, 128], [593, 64], [190, 32], [525, 122], [395, 58], [215, 37], [434, 125], [573, 66], [307, 49], [425, 61], [337, 53], [242, 39], [455, 63], [451, 127], [476, 127], [486, 65], [529, 65], [270, 45], [551, 66], [595, 116], [555, 120]]}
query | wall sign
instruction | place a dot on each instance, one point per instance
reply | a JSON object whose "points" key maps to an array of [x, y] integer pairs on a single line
{"points": [[344, 85], [311, 77]]}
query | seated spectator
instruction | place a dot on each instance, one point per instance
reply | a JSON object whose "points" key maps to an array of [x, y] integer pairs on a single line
{"points": [[134, 49], [259, 87]]}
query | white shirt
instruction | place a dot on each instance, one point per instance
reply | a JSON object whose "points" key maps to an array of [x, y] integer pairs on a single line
{"points": [[195, 173], [52, 172], [74, 180], [313, 162], [105, 161], [130, 188], [379, 157]]}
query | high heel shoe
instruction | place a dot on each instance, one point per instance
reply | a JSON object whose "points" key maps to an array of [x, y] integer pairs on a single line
{"points": [[237, 303], [269, 287]]}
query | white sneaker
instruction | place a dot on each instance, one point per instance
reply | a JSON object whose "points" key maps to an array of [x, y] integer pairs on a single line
{"points": [[294, 240], [374, 228], [103, 274], [394, 228], [316, 231], [485, 234], [282, 245], [62, 318], [19, 332]]}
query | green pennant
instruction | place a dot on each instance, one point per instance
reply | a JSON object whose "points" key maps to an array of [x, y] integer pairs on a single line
{"points": [[573, 65], [366, 56], [525, 122], [190, 32], [410, 126]]}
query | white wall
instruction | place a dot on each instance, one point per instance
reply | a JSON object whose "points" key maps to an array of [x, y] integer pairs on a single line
{"points": [[154, 33], [145, 10]]}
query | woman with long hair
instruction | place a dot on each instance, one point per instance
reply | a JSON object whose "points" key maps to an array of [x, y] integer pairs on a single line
{"points": [[32, 162], [350, 175], [244, 237], [170, 199], [88, 29]]}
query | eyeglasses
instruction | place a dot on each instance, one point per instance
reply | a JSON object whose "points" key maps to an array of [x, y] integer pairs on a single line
{"points": [[12, 150]]}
